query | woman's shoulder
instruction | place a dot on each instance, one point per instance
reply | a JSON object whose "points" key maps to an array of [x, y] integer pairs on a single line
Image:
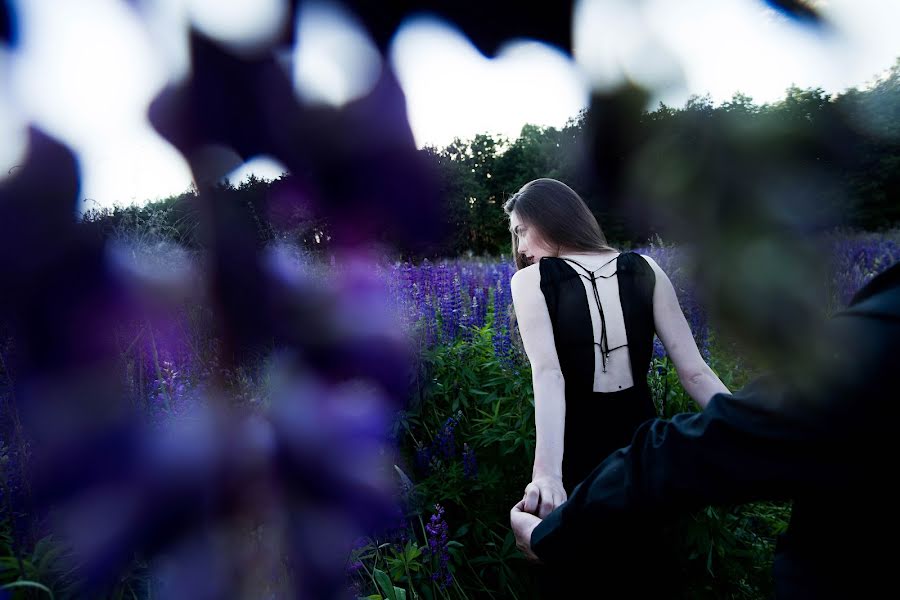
{"points": [[529, 275], [640, 261], [553, 269], [537, 277], [525, 287]]}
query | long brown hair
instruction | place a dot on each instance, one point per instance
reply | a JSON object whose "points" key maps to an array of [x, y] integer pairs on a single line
{"points": [[559, 215]]}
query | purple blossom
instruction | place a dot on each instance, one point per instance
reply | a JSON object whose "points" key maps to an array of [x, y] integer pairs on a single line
{"points": [[671, 261], [312, 458], [479, 306], [659, 350], [437, 547], [855, 260], [443, 447], [439, 302], [501, 339], [450, 305], [354, 567], [445, 442]]}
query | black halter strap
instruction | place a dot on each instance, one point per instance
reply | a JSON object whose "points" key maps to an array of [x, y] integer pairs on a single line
{"points": [[592, 277]]}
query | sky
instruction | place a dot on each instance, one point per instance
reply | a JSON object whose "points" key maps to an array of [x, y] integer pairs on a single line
{"points": [[86, 71]]}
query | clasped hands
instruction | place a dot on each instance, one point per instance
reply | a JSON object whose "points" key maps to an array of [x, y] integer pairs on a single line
{"points": [[542, 495]]}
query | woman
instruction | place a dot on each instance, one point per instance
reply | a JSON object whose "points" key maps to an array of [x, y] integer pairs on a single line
{"points": [[587, 315]]}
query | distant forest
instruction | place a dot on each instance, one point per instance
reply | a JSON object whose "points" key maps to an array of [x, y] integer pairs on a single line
{"points": [[476, 176]]}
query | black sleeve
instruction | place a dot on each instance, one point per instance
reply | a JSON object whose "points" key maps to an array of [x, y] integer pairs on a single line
{"points": [[772, 440]]}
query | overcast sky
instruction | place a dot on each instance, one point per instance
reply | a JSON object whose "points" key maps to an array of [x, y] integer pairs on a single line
{"points": [[86, 71]]}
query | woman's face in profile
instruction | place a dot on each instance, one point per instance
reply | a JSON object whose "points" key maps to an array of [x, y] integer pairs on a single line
{"points": [[531, 245]]}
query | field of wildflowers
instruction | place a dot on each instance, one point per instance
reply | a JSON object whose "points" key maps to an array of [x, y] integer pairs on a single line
{"points": [[460, 448], [472, 406]]}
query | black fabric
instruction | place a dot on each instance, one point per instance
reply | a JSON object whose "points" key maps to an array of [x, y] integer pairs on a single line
{"points": [[598, 423], [828, 443]]}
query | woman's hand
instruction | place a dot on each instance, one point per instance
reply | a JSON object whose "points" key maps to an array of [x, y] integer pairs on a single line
{"points": [[543, 494]]}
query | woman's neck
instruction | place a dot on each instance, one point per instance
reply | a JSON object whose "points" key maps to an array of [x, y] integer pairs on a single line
{"points": [[576, 254]]}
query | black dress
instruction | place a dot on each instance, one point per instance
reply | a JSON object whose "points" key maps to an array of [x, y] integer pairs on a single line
{"points": [[597, 423]]}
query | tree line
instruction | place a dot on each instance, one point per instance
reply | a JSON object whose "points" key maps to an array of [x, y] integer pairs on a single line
{"points": [[476, 176]]}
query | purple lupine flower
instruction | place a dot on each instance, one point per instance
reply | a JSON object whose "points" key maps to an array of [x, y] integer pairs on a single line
{"points": [[423, 316], [503, 346], [499, 304], [659, 350], [855, 260], [474, 306], [354, 567], [437, 546], [465, 322], [470, 466], [502, 343], [445, 442], [703, 345], [671, 260], [479, 306], [450, 305], [438, 302], [430, 277], [319, 440]]}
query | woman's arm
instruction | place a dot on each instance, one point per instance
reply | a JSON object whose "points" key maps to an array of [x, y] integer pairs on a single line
{"points": [[545, 492], [673, 330]]}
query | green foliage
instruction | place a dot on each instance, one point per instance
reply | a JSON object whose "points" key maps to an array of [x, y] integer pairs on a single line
{"points": [[718, 552], [495, 418]]}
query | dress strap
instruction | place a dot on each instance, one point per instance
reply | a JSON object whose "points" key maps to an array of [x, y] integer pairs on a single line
{"points": [[588, 271], [592, 277]]}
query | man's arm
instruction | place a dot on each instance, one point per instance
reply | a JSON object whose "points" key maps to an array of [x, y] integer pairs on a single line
{"points": [[768, 441]]}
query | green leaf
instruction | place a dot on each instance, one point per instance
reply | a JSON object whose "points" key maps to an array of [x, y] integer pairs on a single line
{"points": [[509, 542], [412, 552], [384, 582], [9, 563], [24, 583]]}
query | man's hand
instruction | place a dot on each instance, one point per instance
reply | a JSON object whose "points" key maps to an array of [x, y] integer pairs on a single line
{"points": [[523, 523]]}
